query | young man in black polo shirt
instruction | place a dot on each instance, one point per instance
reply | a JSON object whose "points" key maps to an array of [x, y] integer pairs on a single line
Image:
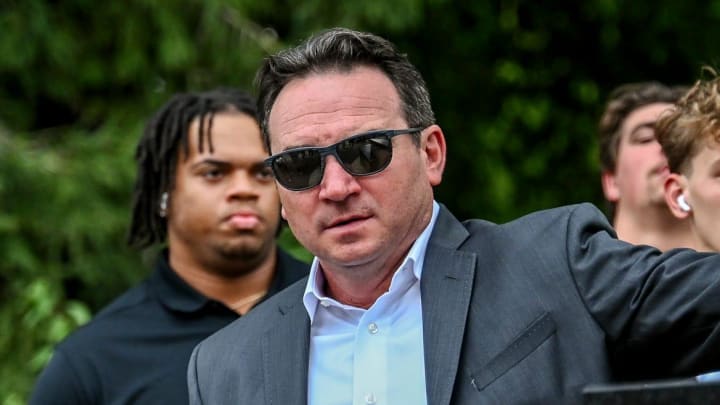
{"points": [[202, 188]]}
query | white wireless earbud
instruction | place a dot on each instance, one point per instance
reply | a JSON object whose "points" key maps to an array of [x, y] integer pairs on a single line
{"points": [[163, 204], [683, 204]]}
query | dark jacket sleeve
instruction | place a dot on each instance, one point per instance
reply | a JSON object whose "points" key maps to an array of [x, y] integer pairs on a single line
{"points": [[59, 384], [660, 311]]}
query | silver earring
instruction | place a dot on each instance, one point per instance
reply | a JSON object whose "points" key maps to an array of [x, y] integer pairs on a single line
{"points": [[163, 204]]}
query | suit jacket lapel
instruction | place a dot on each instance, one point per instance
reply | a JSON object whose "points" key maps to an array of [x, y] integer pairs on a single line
{"points": [[446, 288], [285, 356]]}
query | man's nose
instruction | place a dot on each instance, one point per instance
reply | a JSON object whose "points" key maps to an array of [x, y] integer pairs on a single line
{"points": [[337, 184], [242, 184]]}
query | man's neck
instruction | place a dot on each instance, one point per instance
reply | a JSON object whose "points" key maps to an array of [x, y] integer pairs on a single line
{"points": [[239, 291], [361, 285], [350, 290], [654, 226]]}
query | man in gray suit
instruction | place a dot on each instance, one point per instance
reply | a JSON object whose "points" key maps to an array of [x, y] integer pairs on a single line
{"points": [[405, 304]]}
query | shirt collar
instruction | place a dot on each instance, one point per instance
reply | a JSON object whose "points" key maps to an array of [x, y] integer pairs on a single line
{"points": [[171, 290], [314, 291]]}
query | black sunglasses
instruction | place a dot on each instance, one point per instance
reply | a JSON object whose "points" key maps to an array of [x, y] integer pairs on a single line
{"points": [[360, 155]]}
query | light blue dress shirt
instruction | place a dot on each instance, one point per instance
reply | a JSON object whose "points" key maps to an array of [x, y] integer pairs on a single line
{"points": [[369, 356]]}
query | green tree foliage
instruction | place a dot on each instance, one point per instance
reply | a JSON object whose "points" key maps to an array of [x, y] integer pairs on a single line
{"points": [[517, 86]]}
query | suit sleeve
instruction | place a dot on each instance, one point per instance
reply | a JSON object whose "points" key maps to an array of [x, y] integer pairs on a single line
{"points": [[192, 379], [59, 384], [660, 311]]}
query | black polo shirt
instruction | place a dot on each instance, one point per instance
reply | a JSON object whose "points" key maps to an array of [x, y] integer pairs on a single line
{"points": [[136, 350]]}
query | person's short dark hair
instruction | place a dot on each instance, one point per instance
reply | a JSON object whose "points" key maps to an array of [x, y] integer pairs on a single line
{"points": [[341, 50], [622, 102], [158, 149], [695, 120]]}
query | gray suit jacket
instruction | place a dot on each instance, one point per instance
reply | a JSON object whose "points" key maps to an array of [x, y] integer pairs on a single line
{"points": [[526, 312]]}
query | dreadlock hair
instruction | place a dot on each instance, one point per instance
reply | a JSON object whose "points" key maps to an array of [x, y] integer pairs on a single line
{"points": [[158, 150]]}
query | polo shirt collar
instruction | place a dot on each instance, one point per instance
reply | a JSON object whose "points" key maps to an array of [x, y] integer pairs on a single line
{"points": [[172, 291]]}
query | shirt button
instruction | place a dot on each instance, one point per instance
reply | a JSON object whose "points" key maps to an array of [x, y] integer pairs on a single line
{"points": [[373, 329], [325, 303], [370, 399]]}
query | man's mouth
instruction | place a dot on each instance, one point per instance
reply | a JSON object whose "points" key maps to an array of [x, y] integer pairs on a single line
{"points": [[244, 220], [346, 221]]}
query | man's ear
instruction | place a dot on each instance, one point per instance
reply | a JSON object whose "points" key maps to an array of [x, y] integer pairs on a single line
{"points": [[674, 187], [609, 186], [432, 144]]}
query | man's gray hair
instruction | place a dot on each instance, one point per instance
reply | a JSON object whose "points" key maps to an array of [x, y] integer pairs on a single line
{"points": [[341, 49]]}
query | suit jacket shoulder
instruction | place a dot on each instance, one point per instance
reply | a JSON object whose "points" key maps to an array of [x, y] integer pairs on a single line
{"points": [[527, 311], [260, 358]]}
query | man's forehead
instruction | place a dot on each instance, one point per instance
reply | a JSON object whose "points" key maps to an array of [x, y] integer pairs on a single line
{"points": [[332, 98], [220, 128], [648, 113]]}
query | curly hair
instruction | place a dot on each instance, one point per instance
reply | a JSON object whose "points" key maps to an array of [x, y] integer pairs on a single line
{"points": [[693, 122]]}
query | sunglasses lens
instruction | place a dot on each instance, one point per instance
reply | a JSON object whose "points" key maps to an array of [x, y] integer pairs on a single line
{"points": [[365, 155], [360, 156], [298, 170]]}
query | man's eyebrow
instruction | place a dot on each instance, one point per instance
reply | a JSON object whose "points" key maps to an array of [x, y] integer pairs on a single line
{"points": [[213, 162], [298, 147], [303, 146]]}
